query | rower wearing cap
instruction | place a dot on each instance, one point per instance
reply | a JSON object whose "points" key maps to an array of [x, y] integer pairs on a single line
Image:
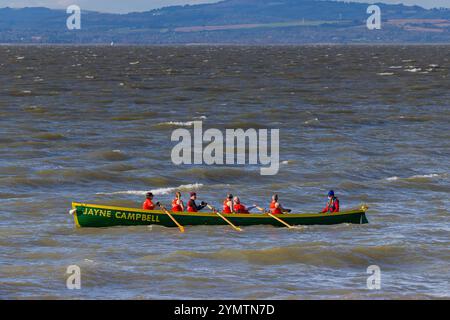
{"points": [[276, 207], [148, 203], [228, 204], [332, 203], [192, 206]]}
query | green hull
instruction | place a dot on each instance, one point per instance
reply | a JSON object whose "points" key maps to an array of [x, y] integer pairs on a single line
{"points": [[89, 215]]}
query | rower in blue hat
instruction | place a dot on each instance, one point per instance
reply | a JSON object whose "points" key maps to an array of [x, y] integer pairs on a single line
{"points": [[332, 203]]}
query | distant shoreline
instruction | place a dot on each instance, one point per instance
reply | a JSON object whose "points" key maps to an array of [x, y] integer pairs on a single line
{"points": [[366, 44]]}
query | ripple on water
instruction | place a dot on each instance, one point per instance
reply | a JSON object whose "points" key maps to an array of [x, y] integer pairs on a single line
{"points": [[324, 256], [109, 155]]}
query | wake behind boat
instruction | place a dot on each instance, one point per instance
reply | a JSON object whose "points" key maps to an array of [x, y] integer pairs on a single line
{"points": [[92, 215]]}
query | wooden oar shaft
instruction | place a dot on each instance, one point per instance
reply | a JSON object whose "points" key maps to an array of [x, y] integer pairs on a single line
{"points": [[225, 219], [173, 219], [260, 209], [276, 218]]}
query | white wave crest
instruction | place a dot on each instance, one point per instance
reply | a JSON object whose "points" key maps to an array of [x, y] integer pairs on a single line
{"points": [[159, 191], [414, 70], [179, 123], [429, 176], [432, 175], [392, 178], [311, 121]]}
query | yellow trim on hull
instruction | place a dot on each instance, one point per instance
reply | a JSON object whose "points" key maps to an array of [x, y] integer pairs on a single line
{"points": [[207, 214]]}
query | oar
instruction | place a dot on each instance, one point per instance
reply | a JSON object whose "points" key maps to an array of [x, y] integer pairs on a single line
{"points": [[276, 218], [171, 217], [226, 220]]}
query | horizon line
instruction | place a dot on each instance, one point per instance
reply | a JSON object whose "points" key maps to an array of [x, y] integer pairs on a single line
{"points": [[200, 4]]}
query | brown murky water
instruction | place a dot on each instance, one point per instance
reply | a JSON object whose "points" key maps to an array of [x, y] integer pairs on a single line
{"points": [[93, 124]]}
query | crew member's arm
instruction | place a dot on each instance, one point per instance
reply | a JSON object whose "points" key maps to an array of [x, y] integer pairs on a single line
{"points": [[198, 207], [230, 205], [180, 202], [336, 205], [278, 205], [201, 206]]}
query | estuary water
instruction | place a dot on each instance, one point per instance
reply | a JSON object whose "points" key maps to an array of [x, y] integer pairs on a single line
{"points": [[94, 125]]}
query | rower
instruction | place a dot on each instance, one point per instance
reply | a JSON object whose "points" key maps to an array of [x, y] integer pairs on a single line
{"points": [[148, 203], [332, 204], [177, 203], [276, 207], [192, 206], [228, 204], [240, 208]]}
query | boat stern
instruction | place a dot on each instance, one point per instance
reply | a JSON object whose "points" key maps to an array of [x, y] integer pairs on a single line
{"points": [[363, 219]]}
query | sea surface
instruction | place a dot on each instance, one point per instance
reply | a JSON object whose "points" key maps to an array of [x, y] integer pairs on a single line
{"points": [[93, 124]]}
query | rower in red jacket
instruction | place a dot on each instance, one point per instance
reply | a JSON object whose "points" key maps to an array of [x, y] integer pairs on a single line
{"points": [[177, 203], [240, 208], [275, 207], [228, 204], [148, 203], [332, 204]]}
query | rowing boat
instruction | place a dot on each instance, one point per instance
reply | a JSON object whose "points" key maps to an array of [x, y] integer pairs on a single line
{"points": [[92, 215]]}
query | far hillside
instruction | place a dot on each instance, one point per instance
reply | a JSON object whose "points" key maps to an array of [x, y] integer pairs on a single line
{"points": [[232, 21]]}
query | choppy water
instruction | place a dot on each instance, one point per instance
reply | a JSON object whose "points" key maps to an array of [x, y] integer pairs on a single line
{"points": [[93, 124]]}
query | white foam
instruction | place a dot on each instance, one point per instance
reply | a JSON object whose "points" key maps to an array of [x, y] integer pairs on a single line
{"points": [[311, 120], [413, 70], [392, 178], [432, 175], [159, 191], [385, 74]]}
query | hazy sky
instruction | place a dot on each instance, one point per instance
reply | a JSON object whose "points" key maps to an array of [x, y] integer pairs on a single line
{"points": [[123, 6]]}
